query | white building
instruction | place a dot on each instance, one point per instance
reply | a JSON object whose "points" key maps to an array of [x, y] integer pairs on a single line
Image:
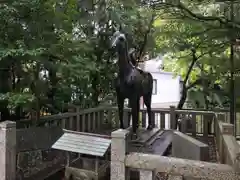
{"points": [[166, 85]]}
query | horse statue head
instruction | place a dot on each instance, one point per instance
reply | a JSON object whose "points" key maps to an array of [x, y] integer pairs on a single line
{"points": [[119, 41]]}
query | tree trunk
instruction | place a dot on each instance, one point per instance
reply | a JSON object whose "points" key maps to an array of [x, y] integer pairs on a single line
{"points": [[53, 83], [5, 74], [183, 98], [36, 90], [95, 87], [145, 39], [185, 88]]}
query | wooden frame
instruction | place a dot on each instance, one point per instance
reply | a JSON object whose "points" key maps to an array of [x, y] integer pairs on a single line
{"points": [[154, 91]]}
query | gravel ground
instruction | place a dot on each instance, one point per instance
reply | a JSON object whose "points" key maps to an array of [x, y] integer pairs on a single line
{"points": [[212, 147]]}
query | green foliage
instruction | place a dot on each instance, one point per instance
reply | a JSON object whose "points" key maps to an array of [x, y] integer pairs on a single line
{"points": [[57, 52], [177, 32], [18, 99]]}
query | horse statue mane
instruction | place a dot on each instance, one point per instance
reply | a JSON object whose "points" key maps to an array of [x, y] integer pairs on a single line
{"points": [[132, 56]]}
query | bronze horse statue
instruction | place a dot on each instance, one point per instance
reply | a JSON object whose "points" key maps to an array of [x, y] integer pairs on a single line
{"points": [[131, 83]]}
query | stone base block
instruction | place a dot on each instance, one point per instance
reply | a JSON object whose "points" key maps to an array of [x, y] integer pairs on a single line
{"points": [[184, 146]]}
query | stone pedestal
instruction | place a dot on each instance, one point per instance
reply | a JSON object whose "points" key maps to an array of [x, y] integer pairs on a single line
{"points": [[8, 150], [173, 124], [184, 146], [118, 153], [146, 175]]}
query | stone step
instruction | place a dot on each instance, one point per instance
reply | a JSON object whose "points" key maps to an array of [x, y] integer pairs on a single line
{"points": [[144, 136], [153, 138], [147, 135], [162, 143]]}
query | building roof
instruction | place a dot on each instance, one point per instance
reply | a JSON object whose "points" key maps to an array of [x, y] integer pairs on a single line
{"points": [[84, 143]]}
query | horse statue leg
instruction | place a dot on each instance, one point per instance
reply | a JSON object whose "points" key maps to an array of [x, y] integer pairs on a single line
{"points": [[120, 101], [134, 102], [147, 101], [138, 110]]}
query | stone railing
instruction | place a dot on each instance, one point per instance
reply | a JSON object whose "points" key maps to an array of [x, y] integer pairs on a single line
{"points": [[225, 117], [97, 119], [193, 122], [227, 145], [87, 120], [149, 165]]}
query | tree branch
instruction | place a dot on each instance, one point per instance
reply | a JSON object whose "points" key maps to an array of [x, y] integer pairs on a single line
{"points": [[197, 82], [202, 32], [180, 6], [142, 48], [194, 59]]}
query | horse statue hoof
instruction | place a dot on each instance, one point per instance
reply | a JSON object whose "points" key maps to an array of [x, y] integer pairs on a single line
{"points": [[150, 127]]}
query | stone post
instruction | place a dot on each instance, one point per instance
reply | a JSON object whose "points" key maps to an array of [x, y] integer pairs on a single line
{"points": [[173, 124], [236, 163], [147, 175], [8, 150], [221, 117], [227, 129], [118, 154], [78, 120]]}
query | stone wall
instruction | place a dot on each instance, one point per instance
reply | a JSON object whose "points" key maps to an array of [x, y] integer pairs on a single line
{"points": [[184, 146], [13, 141], [36, 138]]}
